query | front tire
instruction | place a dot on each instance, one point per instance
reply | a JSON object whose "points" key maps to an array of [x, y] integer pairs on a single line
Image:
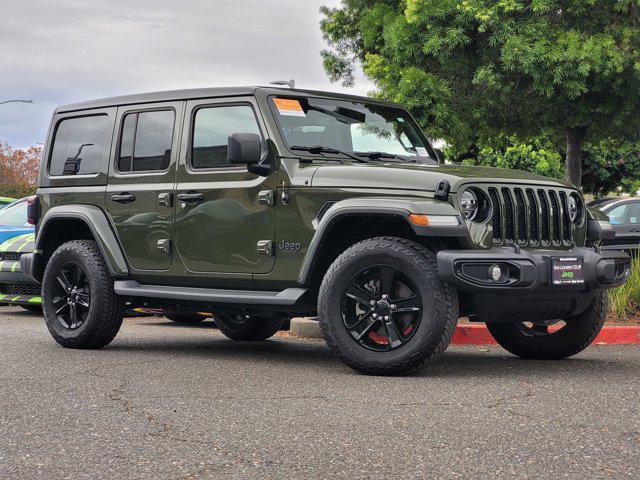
{"points": [[383, 310], [80, 306], [248, 328], [536, 341]]}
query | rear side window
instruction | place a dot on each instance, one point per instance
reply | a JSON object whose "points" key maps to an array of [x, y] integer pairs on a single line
{"points": [[212, 128], [80, 145], [145, 143]]}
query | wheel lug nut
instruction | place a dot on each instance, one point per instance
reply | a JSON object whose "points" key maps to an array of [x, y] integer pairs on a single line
{"points": [[375, 315], [386, 318], [384, 297], [372, 303], [393, 307]]}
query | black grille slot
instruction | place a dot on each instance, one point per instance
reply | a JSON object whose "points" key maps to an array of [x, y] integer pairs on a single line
{"points": [[566, 221], [546, 213], [20, 289], [476, 272], [521, 208], [10, 256], [533, 215], [509, 221], [530, 216], [496, 216], [555, 214]]}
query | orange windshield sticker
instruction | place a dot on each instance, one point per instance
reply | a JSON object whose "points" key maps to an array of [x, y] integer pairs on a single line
{"points": [[287, 106]]}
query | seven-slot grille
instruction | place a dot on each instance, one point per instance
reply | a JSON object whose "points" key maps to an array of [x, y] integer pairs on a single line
{"points": [[536, 216]]}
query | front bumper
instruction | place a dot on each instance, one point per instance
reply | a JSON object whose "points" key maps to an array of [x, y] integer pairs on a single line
{"points": [[530, 270]]}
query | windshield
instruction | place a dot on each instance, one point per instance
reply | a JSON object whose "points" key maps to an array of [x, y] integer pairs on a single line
{"points": [[14, 215], [351, 126]]}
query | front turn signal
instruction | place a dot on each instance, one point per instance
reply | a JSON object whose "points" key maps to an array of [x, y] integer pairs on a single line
{"points": [[420, 220]]}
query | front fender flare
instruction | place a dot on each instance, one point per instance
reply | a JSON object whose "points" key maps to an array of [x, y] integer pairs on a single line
{"points": [[376, 206], [97, 221]]}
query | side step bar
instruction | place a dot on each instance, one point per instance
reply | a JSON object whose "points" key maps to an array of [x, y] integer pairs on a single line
{"points": [[131, 288]]}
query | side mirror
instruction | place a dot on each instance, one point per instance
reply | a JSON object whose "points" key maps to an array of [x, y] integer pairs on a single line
{"points": [[245, 148]]}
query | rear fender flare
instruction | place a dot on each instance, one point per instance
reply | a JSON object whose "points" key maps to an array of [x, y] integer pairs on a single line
{"points": [[97, 222]]}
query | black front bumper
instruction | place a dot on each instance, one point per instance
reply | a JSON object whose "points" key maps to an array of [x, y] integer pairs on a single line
{"points": [[530, 270], [528, 294]]}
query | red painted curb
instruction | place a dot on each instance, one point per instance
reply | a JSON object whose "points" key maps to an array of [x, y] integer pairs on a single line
{"points": [[477, 334]]}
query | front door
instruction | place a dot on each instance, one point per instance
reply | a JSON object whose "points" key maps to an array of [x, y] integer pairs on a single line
{"points": [[219, 219], [141, 182]]}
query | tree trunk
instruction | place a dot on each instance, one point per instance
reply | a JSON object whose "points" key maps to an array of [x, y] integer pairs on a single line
{"points": [[575, 139]]}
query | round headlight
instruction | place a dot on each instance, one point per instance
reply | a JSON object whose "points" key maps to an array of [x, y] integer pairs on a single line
{"points": [[574, 206], [469, 205]]}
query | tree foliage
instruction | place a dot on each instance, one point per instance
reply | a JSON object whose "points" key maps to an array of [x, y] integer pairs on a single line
{"points": [[474, 69], [19, 170]]}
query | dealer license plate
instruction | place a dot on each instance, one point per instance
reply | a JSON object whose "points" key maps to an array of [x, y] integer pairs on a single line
{"points": [[567, 270]]}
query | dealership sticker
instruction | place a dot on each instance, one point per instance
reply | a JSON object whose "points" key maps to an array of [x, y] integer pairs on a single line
{"points": [[289, 107]]}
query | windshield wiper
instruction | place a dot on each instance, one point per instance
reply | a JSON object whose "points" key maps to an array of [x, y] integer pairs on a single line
{"points": [[318, 149], [380, 155]]}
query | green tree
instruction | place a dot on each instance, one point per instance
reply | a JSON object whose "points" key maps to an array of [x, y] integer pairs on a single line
{"points": [[474, 69]]}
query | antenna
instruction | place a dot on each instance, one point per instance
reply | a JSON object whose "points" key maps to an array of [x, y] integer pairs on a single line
{"points": [[290, 83]]}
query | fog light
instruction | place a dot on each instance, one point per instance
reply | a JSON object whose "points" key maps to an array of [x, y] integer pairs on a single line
{"points": [[496, 272]]}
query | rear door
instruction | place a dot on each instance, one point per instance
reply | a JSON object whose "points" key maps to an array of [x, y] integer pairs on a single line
{"points": [[141, 182], [220, 219]]}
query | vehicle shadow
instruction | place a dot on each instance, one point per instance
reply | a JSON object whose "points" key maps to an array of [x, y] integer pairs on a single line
{"points": [[457, 361]]}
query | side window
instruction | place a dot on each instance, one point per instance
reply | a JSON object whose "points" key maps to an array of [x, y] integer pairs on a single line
{"points": [[633, 214], [212, 127], [616, 215], [80, 145], [145, 142]]}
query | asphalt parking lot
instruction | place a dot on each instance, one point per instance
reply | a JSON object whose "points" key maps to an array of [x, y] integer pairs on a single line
{"points": [[169, 401]]}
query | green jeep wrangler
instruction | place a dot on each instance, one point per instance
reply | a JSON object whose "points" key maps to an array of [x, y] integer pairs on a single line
{"points": [[260, 204]]}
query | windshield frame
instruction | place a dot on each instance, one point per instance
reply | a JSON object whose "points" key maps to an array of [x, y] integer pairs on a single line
{"points": [[410, 159]]}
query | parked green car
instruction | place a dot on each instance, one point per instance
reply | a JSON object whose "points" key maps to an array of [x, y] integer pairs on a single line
{"points": [[15, 287]]}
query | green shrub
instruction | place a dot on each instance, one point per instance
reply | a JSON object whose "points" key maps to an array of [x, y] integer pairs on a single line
{"points": [[16, 190], [537, 157], [624, 301]]}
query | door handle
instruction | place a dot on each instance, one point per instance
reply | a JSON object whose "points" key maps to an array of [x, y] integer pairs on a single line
{"points": [[123, 198], [191, 197]]}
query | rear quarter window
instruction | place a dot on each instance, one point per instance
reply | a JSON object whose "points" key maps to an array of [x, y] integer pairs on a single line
{"points": [[80, 146]]}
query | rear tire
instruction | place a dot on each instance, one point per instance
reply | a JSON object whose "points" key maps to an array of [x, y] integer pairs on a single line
{"points": [[248, 328], [383, 309], [578, 333], [185, 318], [77, 273]]}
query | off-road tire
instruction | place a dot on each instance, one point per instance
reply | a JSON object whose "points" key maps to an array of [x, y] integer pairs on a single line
{"points": [[32, 308], [185, 318], [439, 315], [106, 309], [252, 329], [578, 333]]}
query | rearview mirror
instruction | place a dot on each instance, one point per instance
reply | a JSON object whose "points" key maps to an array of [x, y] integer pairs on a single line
{"points": [[245, 148]]}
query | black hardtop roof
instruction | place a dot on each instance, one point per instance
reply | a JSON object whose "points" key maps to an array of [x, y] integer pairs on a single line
{"points": [[196, 93]]}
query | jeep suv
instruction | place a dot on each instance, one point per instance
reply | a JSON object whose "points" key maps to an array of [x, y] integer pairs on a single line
{"points": [[260, 204]]}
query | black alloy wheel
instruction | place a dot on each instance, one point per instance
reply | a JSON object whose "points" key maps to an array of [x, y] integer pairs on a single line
{"points": [[71, 296], [381, 308]]}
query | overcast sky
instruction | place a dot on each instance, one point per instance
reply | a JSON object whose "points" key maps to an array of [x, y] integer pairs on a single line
{"points": [[70, 50]]}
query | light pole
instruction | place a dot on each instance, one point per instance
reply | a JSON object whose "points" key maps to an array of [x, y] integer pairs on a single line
{"points": [[16, 101]]}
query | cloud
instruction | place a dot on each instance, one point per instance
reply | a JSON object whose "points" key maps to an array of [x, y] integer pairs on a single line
{"points": [[62, 52]]}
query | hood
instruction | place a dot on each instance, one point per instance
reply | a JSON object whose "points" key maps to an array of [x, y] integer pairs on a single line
{"points": [[7, 232], [408, 176]]}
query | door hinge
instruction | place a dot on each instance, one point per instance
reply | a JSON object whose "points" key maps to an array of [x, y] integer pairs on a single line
{"points": [[267, 197], [265, 247], [164, 245], [165, 199]]}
